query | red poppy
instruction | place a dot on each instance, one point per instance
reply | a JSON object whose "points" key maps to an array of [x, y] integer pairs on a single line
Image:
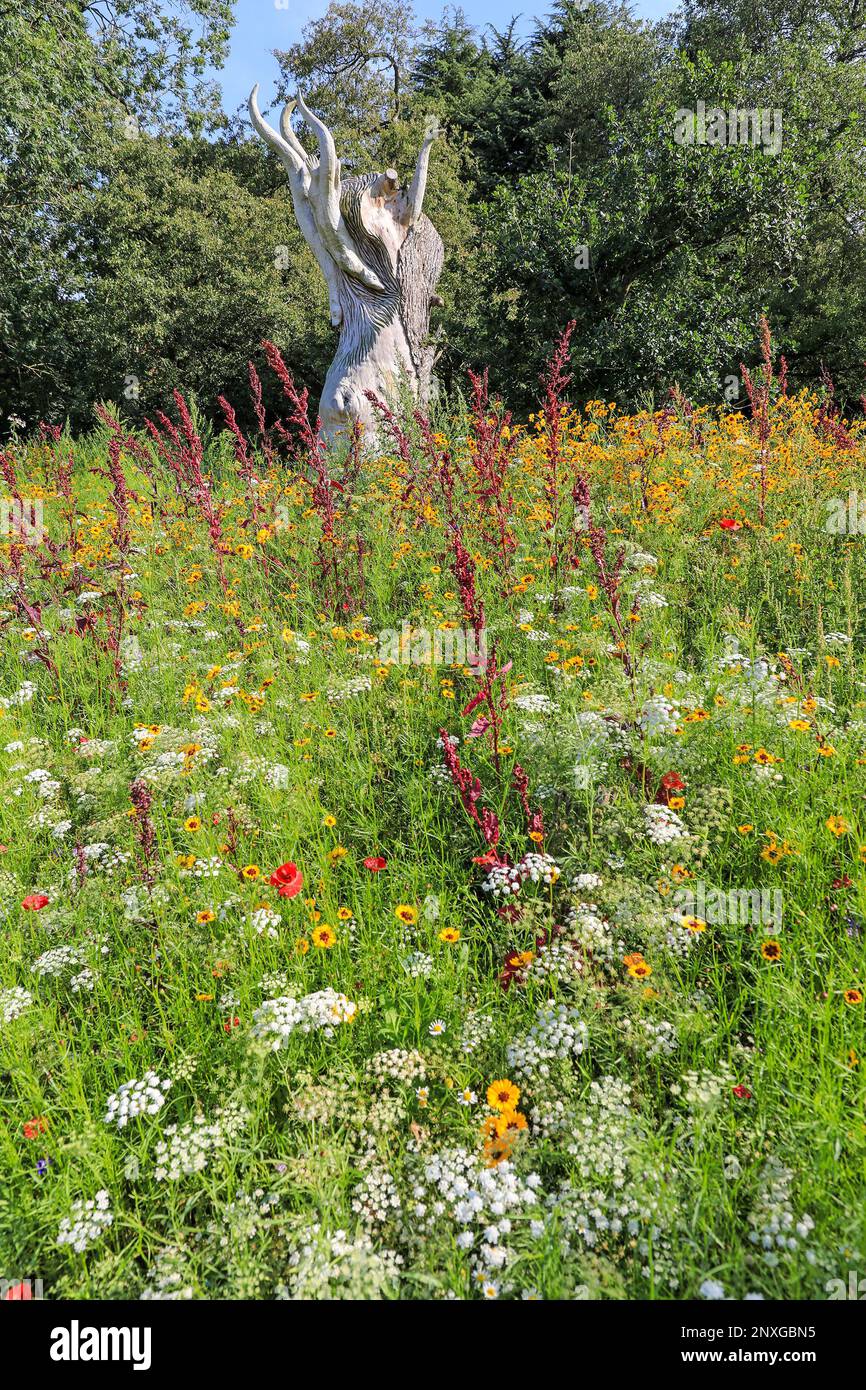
{"points": [[728, 523], [741, 1092], [491, 857], [672, 781], [33, 1128], [34, 902], [375, 863], [231, 1023], [287, 879]]}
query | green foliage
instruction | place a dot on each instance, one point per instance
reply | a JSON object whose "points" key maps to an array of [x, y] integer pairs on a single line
{"points": [[141, 231]]}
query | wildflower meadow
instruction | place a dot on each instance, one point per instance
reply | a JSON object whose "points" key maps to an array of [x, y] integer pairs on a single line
{"points": [[436, 871]]}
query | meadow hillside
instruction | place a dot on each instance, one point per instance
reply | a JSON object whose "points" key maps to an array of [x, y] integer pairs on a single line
{"points": [[437, 870]]}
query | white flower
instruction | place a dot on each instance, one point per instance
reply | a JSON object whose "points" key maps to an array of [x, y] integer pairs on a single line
{"points": [[276, 1019], [87, 1221], [437, 1028], [663, 826], [711, 1288], [144, 1097], [13, 1002]]}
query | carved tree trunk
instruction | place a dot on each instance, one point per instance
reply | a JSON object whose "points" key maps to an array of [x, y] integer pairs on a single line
{"points": [[381, 258]]}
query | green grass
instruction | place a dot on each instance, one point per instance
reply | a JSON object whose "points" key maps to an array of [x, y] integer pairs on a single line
{"points": [[648, 1175]]}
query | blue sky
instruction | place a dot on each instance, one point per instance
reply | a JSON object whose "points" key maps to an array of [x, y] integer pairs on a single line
{"points": [[263, 25]]}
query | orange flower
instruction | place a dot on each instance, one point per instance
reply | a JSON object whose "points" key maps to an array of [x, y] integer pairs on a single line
{"points": [[502, 1095], [510, 1122], [640, 970]]}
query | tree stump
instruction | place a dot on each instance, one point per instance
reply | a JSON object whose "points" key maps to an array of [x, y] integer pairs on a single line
{"points": [[381, 258]]}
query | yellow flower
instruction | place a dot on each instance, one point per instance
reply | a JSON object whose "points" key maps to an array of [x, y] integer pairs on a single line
{"points": [[251, 871], [324, 938], [329, 822], [302, 946], [745, 829], [192, 823], [404, 912], [695, 924], [837, 825], [640, 970], [449, 935], [509, 1122], [771, 951], [764, 758], [502, 1095], [206, 916], [800, 726]]}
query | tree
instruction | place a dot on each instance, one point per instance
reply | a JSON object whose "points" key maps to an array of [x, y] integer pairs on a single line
{"points": [[187, 258], [78, 78]]}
